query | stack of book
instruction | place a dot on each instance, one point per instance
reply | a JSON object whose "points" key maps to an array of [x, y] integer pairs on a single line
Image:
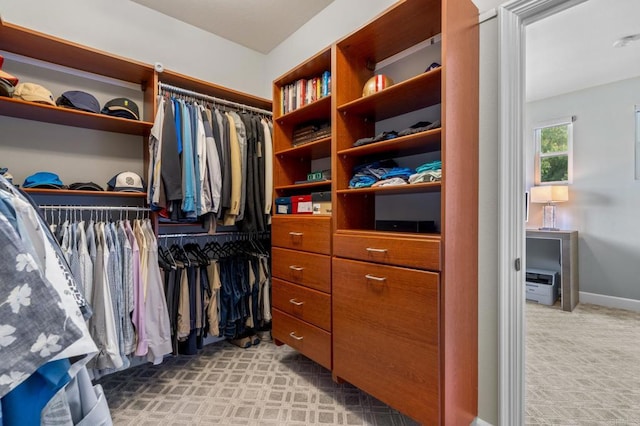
{"points": [[304, 91], [310, 132]]}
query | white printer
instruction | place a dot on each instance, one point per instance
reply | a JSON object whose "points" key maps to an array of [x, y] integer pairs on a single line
{"points": [[542, 286]]}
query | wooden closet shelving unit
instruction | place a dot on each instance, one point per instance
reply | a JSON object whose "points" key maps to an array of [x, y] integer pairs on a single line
{"points": [[36, 45], [403, 305], [301, 254]]}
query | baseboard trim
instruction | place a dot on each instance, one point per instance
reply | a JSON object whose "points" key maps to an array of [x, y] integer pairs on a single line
{"points": [[610, 301], [479, 422]]}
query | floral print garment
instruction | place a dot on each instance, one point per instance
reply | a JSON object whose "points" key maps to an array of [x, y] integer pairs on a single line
{"points": [[34, 326]]}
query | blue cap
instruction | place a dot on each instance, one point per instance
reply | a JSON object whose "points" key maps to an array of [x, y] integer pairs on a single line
{"points": [[77, 99], [43, 180]]}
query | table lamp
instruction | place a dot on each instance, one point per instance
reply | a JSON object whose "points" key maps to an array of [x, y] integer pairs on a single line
{"points": [[550, 195]]}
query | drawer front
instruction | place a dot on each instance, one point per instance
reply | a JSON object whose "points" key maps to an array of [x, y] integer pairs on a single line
{"points": [[386, 333], [308, 269], [307, 339], [303, 303], [302, 233], [409, 252]]}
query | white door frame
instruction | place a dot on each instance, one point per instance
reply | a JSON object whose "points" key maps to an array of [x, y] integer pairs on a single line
{"points": [[513, 17]]}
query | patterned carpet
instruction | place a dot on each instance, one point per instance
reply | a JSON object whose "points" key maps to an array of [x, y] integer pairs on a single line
{"points": [[227, 385], [582, 367]]}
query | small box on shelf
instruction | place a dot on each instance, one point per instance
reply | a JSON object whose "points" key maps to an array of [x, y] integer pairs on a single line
{"points": [[321, 202], [283, 205], [301, 204]]}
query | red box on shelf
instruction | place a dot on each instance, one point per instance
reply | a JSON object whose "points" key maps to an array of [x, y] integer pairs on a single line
{"points": [[301, 204]]}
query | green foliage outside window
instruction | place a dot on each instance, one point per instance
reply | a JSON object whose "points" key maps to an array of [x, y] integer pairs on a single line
{"points": [[554, 154]]}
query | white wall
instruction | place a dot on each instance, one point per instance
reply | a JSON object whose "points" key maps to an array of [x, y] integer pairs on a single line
{"points": [[604, 199], [128, 29], [335, 21], [134, 31]]}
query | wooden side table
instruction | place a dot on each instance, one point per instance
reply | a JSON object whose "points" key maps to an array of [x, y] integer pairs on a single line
{"points": [[568, 249]]}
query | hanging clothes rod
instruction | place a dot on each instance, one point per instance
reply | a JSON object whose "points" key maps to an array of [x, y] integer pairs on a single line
{"points": [[88, 208], [180, 91], [260, 234]]}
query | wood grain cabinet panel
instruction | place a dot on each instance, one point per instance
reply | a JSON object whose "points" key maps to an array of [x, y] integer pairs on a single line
{"points": [[308, 269], [386, 334], [392, 250], [304, 233], [303, 303], [311, 341]]}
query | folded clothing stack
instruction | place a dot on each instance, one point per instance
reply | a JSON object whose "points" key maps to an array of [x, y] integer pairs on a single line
{"points": [[379, 173], [420, 126]]}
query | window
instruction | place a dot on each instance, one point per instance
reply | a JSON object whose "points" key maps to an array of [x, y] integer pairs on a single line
{"points": [[554, 151]]}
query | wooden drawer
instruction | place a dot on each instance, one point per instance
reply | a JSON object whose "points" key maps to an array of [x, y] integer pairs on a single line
{"points": [[386, 334], [308, 269], [306, 304], [392, 250], [307, 339], [305, 233]]}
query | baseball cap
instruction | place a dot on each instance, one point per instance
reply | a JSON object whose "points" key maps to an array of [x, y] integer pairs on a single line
{"points": [[43, 180], [5, 75], [4, 172], [121, 107], [6, 88], [33, 92], [85, 186], [76, 99], [126, 182]]}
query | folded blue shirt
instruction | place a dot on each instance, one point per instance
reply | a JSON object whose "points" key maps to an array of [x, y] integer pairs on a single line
{"points": [[433, 165]]}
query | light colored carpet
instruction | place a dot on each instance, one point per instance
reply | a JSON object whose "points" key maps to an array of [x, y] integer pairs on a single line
{"points": [[582, 367], [227, 385]]}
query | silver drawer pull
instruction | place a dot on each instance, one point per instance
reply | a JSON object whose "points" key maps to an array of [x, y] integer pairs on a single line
{"points": [[296, 268], [293, 334], [296, 234], [295, 302], [376, 250], [374, 278]]}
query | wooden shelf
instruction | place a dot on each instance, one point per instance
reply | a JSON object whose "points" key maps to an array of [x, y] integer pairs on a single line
{"points": [[397, 189], [33, 44], [314, 150], [395, 30], [313, 67], [416, 143], [320, 109], [196, 85], [310, 185], [374, 233], [68, 192], [70, 117], [417, 92]]}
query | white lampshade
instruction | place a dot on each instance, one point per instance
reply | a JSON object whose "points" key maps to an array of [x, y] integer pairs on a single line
{"points": [[549, 194]]}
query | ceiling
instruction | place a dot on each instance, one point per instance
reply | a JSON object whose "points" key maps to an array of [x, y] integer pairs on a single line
{"points": [[573, 50], [257, 24], [568, 51]]}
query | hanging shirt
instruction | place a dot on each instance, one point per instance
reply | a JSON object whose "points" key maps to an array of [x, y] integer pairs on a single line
{"points": [[242, 135], [213, 169], [236, 174], [204, 192], [154, 179], [268, 168], [188, 173], [157, 322], [138, 313], [33, 316], [171, 170]]}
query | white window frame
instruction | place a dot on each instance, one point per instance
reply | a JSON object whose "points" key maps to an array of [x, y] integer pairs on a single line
{"points": [[537, 133]]}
